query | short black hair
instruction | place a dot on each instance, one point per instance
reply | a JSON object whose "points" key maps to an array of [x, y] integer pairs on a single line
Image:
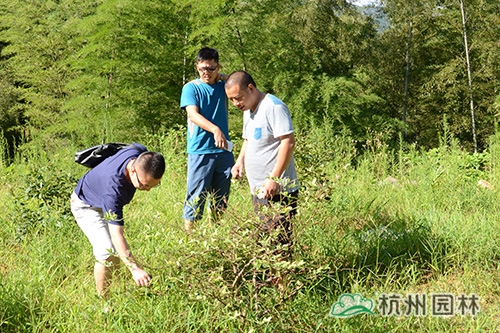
{"points": [[152, 163], [241, 78], [207, 53]]}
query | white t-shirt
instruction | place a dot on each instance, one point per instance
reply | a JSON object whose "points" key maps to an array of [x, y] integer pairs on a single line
{"points": [[262, 130]]}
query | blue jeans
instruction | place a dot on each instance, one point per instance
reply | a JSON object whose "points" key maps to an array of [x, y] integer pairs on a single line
{"points": [[207, 173]]}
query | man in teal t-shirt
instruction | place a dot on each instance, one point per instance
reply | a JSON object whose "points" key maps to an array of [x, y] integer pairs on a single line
{"points": [[209, 157]]}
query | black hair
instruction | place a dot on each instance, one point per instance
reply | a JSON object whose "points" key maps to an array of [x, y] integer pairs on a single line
{"points": [[152, 163], [207, 53], [241, 78]]}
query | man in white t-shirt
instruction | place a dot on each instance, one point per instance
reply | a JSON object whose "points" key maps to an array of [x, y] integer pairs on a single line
{"points": [[267, 151]]}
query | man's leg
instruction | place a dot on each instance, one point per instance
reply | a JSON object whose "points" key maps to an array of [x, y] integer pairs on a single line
{"points": [[199, 176], [95, 227], [103, 273], [281, 219], [188, 226], [221, 182]]}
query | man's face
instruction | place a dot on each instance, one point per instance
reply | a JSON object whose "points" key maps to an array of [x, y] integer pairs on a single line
{"points": [[241, 98], [208, 70], [142, 181]]}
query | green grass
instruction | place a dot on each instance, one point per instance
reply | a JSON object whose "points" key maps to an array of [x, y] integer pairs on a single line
{"points": [[432, 231]]}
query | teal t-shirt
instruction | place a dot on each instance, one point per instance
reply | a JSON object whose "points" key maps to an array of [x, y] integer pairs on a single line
{"points": [[211, 101]]}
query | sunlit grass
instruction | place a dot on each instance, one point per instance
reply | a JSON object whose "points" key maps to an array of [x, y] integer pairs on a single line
{"points": [[358, 231]]}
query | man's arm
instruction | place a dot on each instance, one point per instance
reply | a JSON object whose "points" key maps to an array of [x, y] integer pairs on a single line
{"points": [[139, 275], [239, 167], [285, 153], [195, 116]]}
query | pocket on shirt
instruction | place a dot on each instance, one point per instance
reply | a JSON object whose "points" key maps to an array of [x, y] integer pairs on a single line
{"points": [[257, 134]]}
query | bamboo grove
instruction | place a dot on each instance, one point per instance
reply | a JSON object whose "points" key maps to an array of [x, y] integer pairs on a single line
{"points": [[100, 70]]}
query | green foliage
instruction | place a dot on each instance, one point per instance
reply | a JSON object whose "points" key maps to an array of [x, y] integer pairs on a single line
{"points": [[233, 269], [347, 104], [36, 38], [91, 71], [438, 72], [129, 71], [41, 200]]}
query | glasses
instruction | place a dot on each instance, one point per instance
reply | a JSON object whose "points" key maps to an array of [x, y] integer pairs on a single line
{"points": [[144, 186], [208, 69]]}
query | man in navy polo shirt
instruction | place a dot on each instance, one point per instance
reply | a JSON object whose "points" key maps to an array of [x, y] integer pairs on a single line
{"points": [[97, 205]]}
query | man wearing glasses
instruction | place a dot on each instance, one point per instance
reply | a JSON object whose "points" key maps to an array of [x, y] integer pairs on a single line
{"points": [[97, 205], [209, 156]]}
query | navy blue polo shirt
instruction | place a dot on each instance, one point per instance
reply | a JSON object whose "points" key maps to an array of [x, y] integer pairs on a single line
{"points": [[106, 186]]}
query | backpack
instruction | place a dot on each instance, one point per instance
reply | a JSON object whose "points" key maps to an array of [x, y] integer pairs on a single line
{"points": [[92, 156]]}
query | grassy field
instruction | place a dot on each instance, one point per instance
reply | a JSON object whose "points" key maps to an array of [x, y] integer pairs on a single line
{"points": [[379, 223]]}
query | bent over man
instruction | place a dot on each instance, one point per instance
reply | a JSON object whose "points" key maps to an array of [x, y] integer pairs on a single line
{"points": [[97, 205]]}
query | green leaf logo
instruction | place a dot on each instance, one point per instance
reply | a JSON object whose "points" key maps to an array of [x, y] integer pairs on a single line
{"points": [[350, 305]]}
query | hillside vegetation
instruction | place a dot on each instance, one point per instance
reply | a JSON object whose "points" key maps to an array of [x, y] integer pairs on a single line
{"points": [[86, 71], [398, 154], [395, 222]]}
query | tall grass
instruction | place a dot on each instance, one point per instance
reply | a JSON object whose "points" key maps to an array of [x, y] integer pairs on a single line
{"points": [[371, 221]]}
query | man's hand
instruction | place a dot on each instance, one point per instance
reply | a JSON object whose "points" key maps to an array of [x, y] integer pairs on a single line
{"points": [[222, 77], [237, 170], [194, 115], [269, 189], [220, 138], [141, 278]]}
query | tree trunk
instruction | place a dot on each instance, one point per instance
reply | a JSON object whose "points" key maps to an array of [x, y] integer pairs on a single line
{"points": [[469, 75], [407, 74]]}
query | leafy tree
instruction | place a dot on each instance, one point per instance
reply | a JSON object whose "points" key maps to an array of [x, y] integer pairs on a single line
{"points": [[329, 82], [397, 51], [484, 37], [334, 37], [129, 70], [11, 119], [91, 70], [38, 38], [437, 78]]}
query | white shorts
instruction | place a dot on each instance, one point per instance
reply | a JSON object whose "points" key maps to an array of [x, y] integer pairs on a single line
{"points": [[93, 224]]}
